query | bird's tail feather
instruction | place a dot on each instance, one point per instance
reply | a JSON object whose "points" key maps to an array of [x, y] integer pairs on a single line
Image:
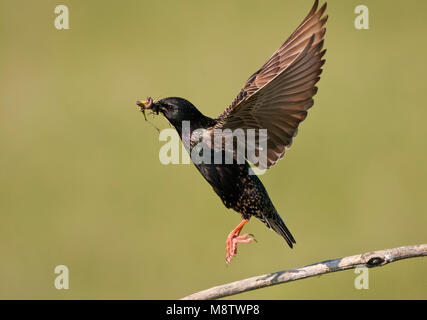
{"points": [[276, 223]]}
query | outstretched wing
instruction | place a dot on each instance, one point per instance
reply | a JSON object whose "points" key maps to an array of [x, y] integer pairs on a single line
{"points": [[278, 95]]}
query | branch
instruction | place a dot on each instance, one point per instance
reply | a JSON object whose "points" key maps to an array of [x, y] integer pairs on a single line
{"points": [[370, 259]]}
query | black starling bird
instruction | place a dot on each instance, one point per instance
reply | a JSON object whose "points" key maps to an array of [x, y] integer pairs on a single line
{"points": [[276, 98]]}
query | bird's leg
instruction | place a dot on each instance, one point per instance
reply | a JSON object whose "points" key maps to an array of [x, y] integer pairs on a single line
{"points": [[234, 238]]}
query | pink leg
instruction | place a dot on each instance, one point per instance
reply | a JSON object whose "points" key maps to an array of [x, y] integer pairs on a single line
{"points": [[234, 238]]}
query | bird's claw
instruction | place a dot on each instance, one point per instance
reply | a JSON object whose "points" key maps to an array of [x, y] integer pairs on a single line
{"points": [[232, 241]]}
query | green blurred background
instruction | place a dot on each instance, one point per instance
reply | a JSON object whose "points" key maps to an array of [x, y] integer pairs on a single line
{"points": [[81, 183]]}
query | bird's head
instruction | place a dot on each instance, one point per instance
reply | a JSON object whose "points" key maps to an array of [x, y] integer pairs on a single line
{"points": [[174, 109]]}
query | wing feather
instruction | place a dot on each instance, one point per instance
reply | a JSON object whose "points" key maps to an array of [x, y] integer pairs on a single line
{"points": [[278, 95]]}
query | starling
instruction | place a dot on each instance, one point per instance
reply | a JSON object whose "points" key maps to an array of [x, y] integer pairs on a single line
{"points": [[275, 98]]}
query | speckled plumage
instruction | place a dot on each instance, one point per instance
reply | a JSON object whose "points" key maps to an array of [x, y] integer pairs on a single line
{"points": [[238, 189], [241, 191], [276, 98]]}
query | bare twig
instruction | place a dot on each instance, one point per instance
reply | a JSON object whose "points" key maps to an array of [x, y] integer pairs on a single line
{"points": [[370, 259]]}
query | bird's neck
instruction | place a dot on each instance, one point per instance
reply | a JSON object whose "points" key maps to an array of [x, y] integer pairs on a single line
{"points": [[188, 127]]}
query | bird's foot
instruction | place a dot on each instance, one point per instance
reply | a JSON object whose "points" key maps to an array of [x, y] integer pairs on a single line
{"points": [[231, 243]]}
